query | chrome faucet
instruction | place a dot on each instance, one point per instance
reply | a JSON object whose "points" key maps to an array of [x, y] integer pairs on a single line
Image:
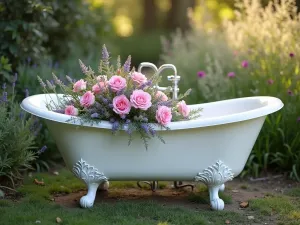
{"points": [[173, 78]]}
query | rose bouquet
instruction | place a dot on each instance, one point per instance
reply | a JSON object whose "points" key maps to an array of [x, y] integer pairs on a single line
{"points": [[127, 99]]}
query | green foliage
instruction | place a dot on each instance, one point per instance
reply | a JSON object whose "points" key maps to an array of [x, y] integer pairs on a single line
{"points": [[258, 36], [35, 29], [22, 33], [16, 140], [74, 24], [5, 68]]}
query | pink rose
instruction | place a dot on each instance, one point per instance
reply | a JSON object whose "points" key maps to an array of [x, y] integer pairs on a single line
{"points": [[140, 99], [121, 105], [71, 110], [163, 115], [79, 86], [138, 78], [183, 109], [161, 96], [99, 87], [117, 83], [87, 99]]}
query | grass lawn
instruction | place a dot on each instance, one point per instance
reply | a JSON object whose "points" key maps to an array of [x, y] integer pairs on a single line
{"points": [[38, 205]]}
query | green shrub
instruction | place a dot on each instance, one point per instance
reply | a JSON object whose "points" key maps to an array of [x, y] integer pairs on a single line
{"points": [[17, 134], [256, 54], [22, 29], [36, 29]]}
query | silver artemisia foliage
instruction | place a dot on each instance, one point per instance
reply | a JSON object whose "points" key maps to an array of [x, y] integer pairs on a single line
{"points": [[89, 174], [216, 174]]}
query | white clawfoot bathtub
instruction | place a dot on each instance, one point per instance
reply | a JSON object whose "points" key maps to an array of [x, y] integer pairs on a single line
{"points": [[212, 149]]}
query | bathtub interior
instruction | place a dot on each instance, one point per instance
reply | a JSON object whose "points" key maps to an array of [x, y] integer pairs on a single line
{"points": [[214, 110]]}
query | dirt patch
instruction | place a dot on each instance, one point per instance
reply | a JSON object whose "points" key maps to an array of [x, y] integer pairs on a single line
{"points": [[238, 190]]}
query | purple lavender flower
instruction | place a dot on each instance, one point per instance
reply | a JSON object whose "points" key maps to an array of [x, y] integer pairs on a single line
{"points": [[121, 92], [112, 120], [127, 64], [292, 54], [166, 103], [43, 149], [13, 84], [290, 92], [34, 66], [26, 93], [4, 86], [128, 131], [83, 67], [148, 83], [62, 111], [4, 96], [104, 100], [123, 116], [245, 64], [105, 54], [298, 119], [152, 132], [201, 74], [28, 60], [145, 127], [128, 121], [270, 81], [231, 74], [115, 126], [95, 115]]}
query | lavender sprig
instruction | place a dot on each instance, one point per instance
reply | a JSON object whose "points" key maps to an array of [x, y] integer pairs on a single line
{"points": [[4, 96], [127, 64], [95, 115], [83, 67], [105, 55], [41, 82], [43, 149]]}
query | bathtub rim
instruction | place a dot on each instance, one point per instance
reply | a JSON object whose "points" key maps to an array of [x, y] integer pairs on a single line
{"points": [[273, 104]]}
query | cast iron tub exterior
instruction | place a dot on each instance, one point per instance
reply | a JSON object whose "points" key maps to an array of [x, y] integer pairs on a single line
{"points": [[211, 149]]}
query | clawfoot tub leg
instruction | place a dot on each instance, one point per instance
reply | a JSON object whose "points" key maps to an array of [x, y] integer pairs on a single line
{"points": [[214, 177], [92, 178]]}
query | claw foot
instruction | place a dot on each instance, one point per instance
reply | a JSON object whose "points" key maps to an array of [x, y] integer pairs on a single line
{"points": [[215, 202], [93, 178], [214, 177]]}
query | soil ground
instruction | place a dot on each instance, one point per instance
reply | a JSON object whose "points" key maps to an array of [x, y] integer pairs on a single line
{"points": [[238, 190]]}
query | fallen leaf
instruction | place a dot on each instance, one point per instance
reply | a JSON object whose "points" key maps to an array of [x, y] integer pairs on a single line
{"points": [[58, 220], [37, 182], [235, 191], [244, 204], [227, 221], [250, 217]]}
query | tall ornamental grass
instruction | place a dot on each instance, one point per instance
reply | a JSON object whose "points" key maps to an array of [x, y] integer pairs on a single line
{"points": [[255, 54]]}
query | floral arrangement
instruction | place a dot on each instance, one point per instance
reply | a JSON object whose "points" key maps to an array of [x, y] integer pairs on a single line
{"points": [[126, 98]]}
